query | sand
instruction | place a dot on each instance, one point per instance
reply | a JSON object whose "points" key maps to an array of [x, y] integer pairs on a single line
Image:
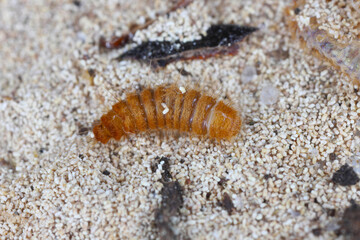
{"points": [[300, 116]]}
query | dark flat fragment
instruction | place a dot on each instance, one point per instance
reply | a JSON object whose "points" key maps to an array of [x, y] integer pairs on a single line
{"points": [[172, 200], [345, 176], [350, 224], [219, 40]]}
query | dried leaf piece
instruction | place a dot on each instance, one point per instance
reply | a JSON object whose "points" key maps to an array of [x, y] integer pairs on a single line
{"points": [[219, 40]]}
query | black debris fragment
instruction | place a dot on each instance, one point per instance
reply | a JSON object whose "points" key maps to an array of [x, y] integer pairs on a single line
{"points": [[345, 176], [83, 130], [330, 212], [267, 176], [219, 40], [297, 11], [208, 195], [91, 72], [350, 223], [222, 182], [106, 172], [332, 157], [77, 3], [172, 201], [227, 203], [166, 175], [317, 231]]}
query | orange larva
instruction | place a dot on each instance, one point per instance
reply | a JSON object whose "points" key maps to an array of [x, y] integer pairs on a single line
{"points": [[169, 108]]}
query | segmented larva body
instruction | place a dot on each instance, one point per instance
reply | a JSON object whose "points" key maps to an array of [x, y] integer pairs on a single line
{"points": [[169, 108]]}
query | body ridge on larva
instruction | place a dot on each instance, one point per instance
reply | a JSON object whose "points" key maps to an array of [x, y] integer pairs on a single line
{"points": [[169, 108]]}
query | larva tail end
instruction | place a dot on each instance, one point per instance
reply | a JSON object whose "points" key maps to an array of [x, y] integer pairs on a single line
{"points": [[225, 122], [235, 128], [101, 134]]}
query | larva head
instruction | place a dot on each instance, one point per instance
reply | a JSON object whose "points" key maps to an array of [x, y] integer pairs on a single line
{"points": [[101, 133], [224, 122]]}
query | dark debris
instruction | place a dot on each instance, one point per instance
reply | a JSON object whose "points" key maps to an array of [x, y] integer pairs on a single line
{"points": [[77, 3], [317, 231], [166, 175], [222, 182], [172, 201], [350, 223], [91, 72], [267, 176], [330, 212], [345, 176], [227, 203], [297, 11], [219, 40], [332, 157]]}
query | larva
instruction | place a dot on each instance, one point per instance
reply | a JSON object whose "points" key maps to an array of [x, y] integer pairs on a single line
{"points": [[345, 57], [169, 108]]}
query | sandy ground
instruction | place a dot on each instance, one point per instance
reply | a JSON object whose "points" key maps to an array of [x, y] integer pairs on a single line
{"points": [[300, 126]]}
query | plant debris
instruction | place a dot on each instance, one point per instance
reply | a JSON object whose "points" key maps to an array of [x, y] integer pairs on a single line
{"points": [[350, 223], [166, 175], [220, 39], [172, 200], [345, 176], [118, 42], [227, 203]]}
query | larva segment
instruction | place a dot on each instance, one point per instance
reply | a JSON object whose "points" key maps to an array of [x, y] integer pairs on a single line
{"points": [[169, 100], [147, 99], [224, 122], [137, 111], [201, 115], [113, 124], [127, 120], [178, 106], [190, 100], [101, 134], [159, 98]]}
